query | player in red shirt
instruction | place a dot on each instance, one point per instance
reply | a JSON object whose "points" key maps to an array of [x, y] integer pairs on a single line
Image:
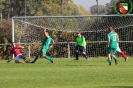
{"points": [[16, 51]]}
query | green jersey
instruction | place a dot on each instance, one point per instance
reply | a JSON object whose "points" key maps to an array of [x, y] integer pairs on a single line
{"points": [[80, 41], [46, 42], [113, 38]]}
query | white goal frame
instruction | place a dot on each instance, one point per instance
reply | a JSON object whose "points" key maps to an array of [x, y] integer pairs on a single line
{"points": [[24, 17]]}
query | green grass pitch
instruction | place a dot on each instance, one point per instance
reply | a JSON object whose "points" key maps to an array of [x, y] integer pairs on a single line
{"points": [[67, 73]]}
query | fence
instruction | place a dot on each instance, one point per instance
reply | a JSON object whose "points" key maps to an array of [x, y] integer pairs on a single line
{"points": [[28, 31], [67, 49]]}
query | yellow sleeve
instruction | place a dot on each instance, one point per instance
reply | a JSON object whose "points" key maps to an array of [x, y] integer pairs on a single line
{"points": [[84, 42]]}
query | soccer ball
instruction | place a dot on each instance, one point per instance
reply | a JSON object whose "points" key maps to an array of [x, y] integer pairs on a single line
{"points": [[27, 61]]}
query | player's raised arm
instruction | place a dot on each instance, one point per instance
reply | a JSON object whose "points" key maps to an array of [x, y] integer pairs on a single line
{"points": [[45, 32], [21, 47]]}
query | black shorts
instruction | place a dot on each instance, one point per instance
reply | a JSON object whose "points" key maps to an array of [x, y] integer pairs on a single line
{"points": [[80, 48]]}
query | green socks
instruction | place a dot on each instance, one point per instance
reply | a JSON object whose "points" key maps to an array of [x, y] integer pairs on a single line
{"points": [[48, 58], [109, 60], [114, 57], [35, 59]]}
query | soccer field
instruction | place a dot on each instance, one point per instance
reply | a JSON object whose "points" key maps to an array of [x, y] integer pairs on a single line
{"points": [[67, 73]]}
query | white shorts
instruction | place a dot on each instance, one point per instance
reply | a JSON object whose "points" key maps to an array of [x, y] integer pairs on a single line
{"points": [[118, 48], [17, 58]]}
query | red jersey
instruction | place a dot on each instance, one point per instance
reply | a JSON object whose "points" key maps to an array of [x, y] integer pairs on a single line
{"points": [[16, 50]]}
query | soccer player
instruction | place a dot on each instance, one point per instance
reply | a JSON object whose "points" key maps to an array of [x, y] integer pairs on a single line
{"points": [[47, 43], [112, 45], [80, 46], [16, 51], [119, 50]]}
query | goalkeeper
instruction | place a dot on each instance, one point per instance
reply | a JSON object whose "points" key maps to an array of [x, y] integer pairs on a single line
{"points": [[45, 46], [80, 46]]}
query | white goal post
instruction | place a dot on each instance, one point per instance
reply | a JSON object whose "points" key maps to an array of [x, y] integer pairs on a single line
{"points": [[28, 30]]}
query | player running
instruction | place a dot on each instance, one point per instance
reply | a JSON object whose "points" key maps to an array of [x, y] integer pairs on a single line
{"points": [[112, 45], [119, 50], [80, 46], [16, 51], [45, 46]]}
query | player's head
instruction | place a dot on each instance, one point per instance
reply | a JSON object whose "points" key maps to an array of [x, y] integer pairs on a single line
{"points": [[78, 34], [111, 29]]}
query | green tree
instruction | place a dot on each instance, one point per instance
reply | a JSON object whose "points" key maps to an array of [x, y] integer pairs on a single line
{"points": [[1, 8], [11, 8], [101, 9]]}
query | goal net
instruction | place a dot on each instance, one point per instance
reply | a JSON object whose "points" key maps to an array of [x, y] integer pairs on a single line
{"points": [[63, 29]]}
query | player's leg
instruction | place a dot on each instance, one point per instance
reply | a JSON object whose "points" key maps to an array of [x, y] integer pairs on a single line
{"points": [[122, 53], [44, 51], [77, 53], [109, 56], [24, 58], [37, 56], [113, 55], [42, 54], [48, 58], [84, 52], [17, 59], [21, 56], [109, 59]]}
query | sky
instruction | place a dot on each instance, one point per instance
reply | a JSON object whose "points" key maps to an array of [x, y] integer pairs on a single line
{"points": [[88, 3]]}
